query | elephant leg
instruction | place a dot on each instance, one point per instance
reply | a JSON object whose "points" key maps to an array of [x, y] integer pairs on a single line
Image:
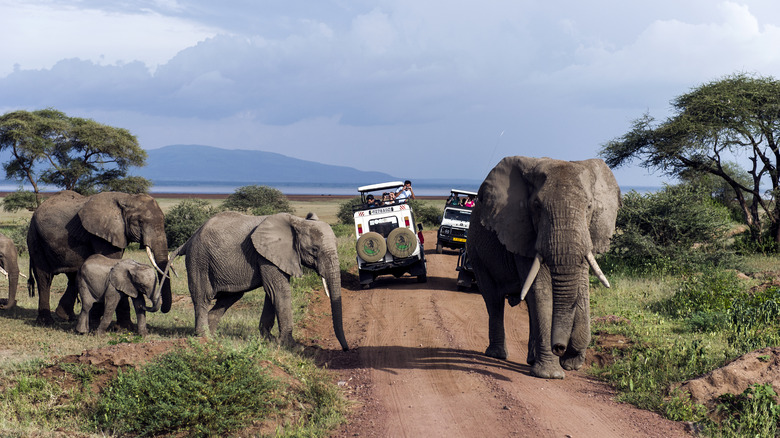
{"points": [[224, 301], [140, 314], [574, 357], [111, 300], [277, 287], [494, 302], [87, 300], [44, 292], [200, 290], [123, 319], [545, 364], [267, 318], [65, 307]]}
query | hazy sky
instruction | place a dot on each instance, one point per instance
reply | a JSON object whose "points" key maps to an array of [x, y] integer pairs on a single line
{"points": [[415, 88]]}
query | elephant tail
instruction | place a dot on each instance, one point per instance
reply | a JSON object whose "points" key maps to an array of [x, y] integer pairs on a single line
{"points": [[31, 281]]}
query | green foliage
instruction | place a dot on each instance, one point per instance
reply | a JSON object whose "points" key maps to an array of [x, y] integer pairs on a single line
{"points": [[202, 390], [346, 209], [130, 184], [680, 407], [754, 413], [426, 214], [714, 123], [18, 233], [676, 228], [754, 320], [709, 292], [258, 200], [185, 218], [72, 153], [20, 200]]}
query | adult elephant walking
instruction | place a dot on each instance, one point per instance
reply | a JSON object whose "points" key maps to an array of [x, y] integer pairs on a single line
{"points": [[68, 228], [233, 253], [535, 229]]}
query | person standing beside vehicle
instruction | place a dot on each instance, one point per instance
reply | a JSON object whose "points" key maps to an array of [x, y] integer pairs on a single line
{"points": [[405, 193]]}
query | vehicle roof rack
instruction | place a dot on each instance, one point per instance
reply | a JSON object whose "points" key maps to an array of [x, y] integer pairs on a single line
{"points": [[463, 192], [380, 186]]}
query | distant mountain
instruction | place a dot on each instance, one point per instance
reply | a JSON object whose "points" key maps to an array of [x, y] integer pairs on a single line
{"points": [[183, 163]]}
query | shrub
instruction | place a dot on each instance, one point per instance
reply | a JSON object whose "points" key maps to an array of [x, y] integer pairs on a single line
{"points": [[20, 199], [185, 218], [259, 200], [426, 214], [709, 292], [18, 233], [676, 228], [346, 208], [203, 390], [754, 413]]}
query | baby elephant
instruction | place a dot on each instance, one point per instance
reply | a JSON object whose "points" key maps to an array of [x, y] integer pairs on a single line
{"points": [[102, 279]]}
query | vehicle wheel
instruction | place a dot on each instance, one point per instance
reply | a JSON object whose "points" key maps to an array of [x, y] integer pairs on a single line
{"points": [[401, 242], [371, 247], [438, 248], [422, 278]]}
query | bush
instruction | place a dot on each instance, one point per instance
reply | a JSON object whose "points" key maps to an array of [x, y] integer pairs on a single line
{"points": [[203, 390], [258, 200], [345, 214], [18, 233], [676, 228], [426, 214], [20, 200], [185, 218], [754, 413]]}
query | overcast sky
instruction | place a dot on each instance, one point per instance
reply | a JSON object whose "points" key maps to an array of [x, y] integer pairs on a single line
{"points": [[415, 88]]}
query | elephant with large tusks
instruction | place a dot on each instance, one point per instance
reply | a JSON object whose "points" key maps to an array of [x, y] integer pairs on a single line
{"points": [[534, 231], [233, 253], [68, 228]]}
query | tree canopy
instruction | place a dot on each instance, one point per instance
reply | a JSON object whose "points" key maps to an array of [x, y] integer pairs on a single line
{"points": [[72, 153], [713, 126]]}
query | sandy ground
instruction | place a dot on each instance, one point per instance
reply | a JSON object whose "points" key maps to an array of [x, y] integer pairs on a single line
{"points": [[416, 368]]}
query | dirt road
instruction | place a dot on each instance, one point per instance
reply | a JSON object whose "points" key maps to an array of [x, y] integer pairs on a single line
{"points": [[416, 368]]}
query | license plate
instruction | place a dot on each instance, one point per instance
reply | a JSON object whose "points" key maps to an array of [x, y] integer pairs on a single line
{"points": [[458, 239]]}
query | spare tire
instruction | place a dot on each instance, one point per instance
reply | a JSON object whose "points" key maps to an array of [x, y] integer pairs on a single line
{"points": [[401, 242], [371, 247]]}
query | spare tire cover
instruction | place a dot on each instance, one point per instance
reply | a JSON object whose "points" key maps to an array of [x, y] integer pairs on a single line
{"points": [[371, 247], [401, 242]]}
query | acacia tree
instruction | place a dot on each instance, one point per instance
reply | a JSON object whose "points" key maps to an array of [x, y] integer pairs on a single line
{"points": [[713, 125], [48, 147]]}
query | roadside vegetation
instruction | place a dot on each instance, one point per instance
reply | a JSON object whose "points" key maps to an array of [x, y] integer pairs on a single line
{"points": [[233, 383], [694, 266]]}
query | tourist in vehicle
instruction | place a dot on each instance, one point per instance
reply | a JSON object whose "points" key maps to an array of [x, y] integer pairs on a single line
{"points": [[389, 198], [469, 201], [405, 193], [371, 202]]}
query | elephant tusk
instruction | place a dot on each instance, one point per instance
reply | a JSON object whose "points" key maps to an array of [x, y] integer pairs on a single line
{"points": [[531, 276], [597, 270], [325, 285], [151, 259], [4, 272], [22, 275]]}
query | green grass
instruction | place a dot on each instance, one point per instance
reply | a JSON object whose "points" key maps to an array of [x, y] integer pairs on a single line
{"points": [[306, 401], [681, 328]]}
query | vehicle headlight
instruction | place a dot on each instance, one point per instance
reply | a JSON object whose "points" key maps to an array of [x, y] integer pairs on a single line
{"points": [[445, 230]]}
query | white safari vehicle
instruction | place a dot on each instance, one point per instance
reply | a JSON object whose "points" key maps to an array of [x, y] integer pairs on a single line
{"points": [[386, 239], [454, 227]]}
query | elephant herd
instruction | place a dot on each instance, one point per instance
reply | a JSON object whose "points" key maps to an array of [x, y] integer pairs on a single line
{"points": [[533, 236]]}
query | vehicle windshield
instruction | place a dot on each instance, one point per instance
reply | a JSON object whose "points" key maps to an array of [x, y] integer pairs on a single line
{"points": [[383, 225], [457, 215]]}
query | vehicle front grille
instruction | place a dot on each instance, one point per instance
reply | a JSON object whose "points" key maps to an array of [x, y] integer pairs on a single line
{"points": [[459, 232]]}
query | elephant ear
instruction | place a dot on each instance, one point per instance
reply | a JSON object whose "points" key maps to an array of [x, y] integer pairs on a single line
{"points": [[119, 277], [102, 216], [503, 202], [274, 239], [606, 201]]}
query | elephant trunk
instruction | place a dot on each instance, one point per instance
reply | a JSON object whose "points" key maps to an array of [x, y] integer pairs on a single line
{"points": [[332, 281], [156, 299], [570, 287]]}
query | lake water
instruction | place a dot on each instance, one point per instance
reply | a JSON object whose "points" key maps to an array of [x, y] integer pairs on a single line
{"points": [[421, 188]]}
